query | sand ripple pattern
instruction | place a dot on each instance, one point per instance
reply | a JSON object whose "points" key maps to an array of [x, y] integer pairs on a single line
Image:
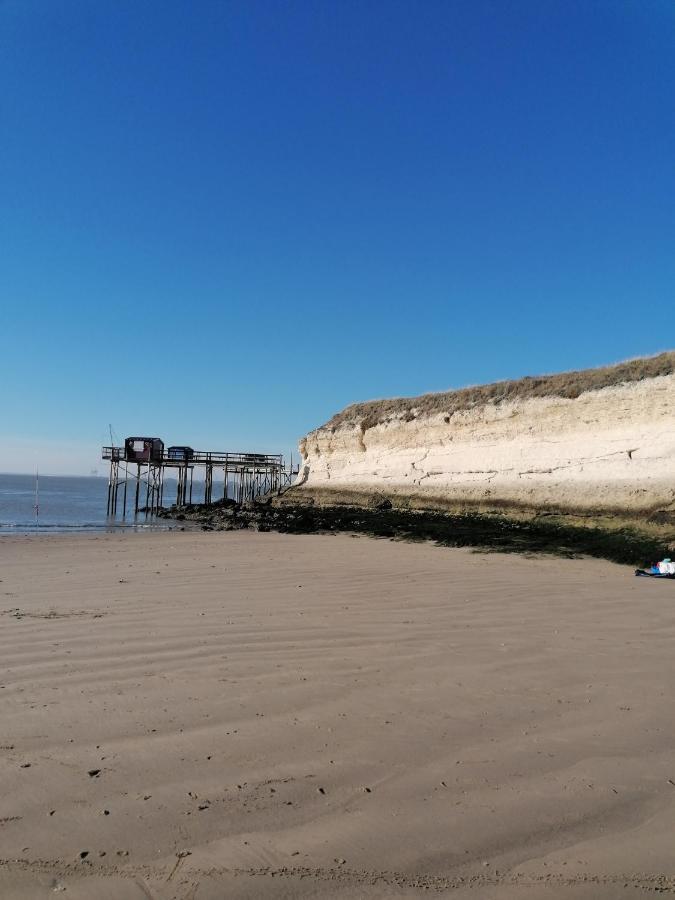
{"points": [[259, 715]]}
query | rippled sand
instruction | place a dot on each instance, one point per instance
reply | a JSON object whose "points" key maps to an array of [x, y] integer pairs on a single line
{"points": [[187, 715]]}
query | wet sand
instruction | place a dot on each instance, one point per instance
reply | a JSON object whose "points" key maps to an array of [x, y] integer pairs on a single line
{"points": [[188, 715]]}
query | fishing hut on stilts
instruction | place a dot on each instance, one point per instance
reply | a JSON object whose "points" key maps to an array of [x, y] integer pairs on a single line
{"points": [[138, 471]]}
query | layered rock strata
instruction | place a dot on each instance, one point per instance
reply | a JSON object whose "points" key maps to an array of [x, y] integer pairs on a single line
{"points": [[603, 451]]}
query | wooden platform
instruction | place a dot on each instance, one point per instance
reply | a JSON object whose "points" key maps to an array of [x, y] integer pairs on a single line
{"points": [[245, 477]]}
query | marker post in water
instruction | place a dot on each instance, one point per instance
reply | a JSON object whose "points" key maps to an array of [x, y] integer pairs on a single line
{"points": [[36, 505]]}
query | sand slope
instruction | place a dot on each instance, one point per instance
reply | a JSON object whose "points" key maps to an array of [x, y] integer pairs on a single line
{"points": [[329, 716]]}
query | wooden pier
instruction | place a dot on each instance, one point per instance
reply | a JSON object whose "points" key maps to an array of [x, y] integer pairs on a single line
{"points": [[245, 477]]}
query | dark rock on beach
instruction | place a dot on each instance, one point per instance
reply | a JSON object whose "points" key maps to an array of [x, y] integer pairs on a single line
{"points": [[381, 519]]}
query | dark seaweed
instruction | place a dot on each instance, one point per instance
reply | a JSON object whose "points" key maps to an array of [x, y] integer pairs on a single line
{"points": [[486, 533]]}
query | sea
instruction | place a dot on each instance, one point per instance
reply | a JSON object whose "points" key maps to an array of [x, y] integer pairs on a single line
{"points": [[67, 503]]}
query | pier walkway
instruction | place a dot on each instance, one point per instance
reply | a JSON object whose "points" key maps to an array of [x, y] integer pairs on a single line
{"points": [[245, 476]]}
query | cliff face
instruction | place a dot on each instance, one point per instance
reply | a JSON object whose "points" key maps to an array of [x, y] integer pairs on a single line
{"points": [[608, 451]]}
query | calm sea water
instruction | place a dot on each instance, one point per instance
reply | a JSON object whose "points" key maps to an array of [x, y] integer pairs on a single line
{"points": [[65, 503]]}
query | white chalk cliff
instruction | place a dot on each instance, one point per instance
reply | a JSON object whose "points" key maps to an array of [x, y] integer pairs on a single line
{"points": [[608, 451]]}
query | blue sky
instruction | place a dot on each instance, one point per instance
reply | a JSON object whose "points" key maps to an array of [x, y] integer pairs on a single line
{"points": [[221, 222]]}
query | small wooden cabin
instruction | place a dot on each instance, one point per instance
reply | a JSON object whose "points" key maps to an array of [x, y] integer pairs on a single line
{"points": [[182, 454], [143, 449]]}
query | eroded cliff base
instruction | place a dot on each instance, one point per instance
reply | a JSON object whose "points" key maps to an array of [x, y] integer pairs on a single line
{"points": [[297, 512], [656, 520]]}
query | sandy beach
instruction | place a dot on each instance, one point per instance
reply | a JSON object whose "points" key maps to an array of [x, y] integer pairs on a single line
{"points": [[241, 715]]}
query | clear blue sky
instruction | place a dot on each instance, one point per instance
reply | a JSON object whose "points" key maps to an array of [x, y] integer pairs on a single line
{"points": [[221, 222]]}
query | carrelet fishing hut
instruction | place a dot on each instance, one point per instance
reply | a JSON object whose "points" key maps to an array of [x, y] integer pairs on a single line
{"points": [[142, 463], [143, 449], [180, 453]]}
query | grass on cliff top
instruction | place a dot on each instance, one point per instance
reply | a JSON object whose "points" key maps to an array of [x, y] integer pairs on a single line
{"points": [[565, 384]]}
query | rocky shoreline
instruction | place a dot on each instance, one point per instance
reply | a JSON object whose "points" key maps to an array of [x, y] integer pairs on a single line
{"points": [[485, 533]]}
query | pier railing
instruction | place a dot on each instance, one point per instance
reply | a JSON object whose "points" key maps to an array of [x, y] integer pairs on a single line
{"points": [[203, 457]]}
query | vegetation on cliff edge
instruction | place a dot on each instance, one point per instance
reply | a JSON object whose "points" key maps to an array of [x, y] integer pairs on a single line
{"points": [[567, 385]]}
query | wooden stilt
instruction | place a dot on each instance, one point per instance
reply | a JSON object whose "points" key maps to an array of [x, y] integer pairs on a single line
{"points": [[246, 476]]}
